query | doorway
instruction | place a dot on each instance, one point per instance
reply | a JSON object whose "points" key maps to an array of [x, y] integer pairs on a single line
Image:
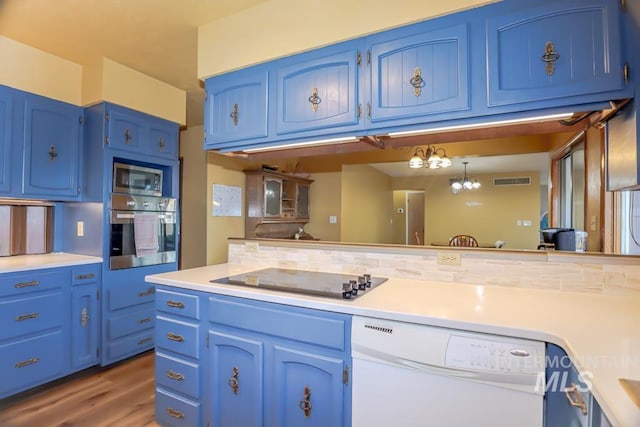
{"points": [[415, 218]]}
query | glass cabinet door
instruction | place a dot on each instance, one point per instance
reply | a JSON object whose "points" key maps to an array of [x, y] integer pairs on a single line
{"points": [[272, 197], [302, 202]]}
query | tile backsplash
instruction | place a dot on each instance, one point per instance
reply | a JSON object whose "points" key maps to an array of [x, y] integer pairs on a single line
{"points": [[584, 273]]}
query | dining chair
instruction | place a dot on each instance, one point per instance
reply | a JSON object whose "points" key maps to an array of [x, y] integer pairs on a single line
{"points": [[463, 240]]}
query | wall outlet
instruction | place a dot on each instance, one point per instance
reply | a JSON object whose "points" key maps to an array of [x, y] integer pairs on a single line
{"points": [[251, 247], [333, 219], [80, 228], [449, 258]]}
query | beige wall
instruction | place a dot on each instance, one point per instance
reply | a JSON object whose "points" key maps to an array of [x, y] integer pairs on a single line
{"points": [[32, 70], [325, 201], [278, 28], [193, 213], [489, 213], [367, 203]]}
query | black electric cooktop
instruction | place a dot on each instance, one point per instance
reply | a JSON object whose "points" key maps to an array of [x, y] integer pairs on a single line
{"points": [[333, 285]]}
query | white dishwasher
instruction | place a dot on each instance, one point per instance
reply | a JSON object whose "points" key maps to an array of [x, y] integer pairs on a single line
{"points": [[411, 375]]}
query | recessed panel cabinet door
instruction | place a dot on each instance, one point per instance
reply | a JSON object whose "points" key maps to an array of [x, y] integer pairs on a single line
{"points": [[52, 137], [85, 323], [309, 390], [163, 138], [235, 109], [236, 380], [125, 129], [419, 74], [318, 93], [554, 51], [6, 118]]}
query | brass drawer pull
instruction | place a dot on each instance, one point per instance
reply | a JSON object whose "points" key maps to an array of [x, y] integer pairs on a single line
{"points": [[175, 304], [175, 413], [174, 337], [27, 316], [146, 293], [575, 398], [175, 376], [27, 362], [305, 404], [233, 380], [144, 340], [85, 276], [26, 284]]}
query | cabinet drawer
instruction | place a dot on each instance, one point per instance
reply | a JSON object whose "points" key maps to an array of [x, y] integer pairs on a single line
{"points": [[178, 303], [86, 274], [178, 375], [128, 294], [31, 362], [173, 410], [28, 315], [17, 284], [130, 323], [329, 330], [176, 336], [132, 344]]}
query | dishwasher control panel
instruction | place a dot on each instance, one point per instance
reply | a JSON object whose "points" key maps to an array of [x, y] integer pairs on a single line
{"points": [[504, 355]]}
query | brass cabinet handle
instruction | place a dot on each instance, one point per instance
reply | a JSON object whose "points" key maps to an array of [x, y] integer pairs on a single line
{"points": [[27, 316], [84, 317], [575, 398], [233, 380], [127, 136], [161, 144], [234, 114], [175, 413], [175, 337], [146, 293], [175, 304], [26, 284], [144, 340], [314, 99], [549, 58], [27, 362], [52, 153], [145, 320], [85, 276], [175, 376], [305, 404], [417, 82]]}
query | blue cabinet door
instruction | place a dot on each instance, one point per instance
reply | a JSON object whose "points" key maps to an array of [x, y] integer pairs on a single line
{"points": [[125, 129], [236, 108], [554, 51], [52, 143], [319, 90], [162, 139], [419, 72], [6, 122], [85, 326], [309, 389], [236, 380]]}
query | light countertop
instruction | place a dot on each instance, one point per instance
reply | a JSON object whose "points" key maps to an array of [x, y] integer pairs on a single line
{"points": [[601, 334], [13, 264]]}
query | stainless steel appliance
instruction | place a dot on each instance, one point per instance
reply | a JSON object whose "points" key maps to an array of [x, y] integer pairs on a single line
{"points": [[134, 179], [332, 285], [412, 375], [142, 231]]}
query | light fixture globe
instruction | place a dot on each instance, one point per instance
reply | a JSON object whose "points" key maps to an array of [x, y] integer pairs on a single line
{"points": [[464, 183], [416, 162], [432, 158]]}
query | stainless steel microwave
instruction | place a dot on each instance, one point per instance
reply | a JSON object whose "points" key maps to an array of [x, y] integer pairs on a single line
{"points": [[133, 179]]}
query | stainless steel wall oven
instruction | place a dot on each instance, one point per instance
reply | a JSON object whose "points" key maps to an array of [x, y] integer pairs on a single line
{"points": [[142, 231]]}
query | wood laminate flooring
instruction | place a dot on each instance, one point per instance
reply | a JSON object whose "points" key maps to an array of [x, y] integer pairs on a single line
{"points": [[117, 396]]}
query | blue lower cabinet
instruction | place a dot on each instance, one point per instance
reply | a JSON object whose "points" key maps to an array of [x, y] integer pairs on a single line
{"points": [[178, 374], [173, 410], [236, 380], [85, 326]]}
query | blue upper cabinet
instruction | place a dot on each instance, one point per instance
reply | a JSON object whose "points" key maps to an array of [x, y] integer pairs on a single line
{"points": [[419, 71], [162, 138], [6, 122], [319, 90], [554, 52], [52, 143], [236, 107]]}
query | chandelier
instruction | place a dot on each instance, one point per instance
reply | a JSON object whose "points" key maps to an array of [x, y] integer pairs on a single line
{"points": [[432, 158], [465, 183]]}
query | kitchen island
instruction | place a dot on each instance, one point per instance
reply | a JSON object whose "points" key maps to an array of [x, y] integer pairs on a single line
{"points": [[600, 333]]}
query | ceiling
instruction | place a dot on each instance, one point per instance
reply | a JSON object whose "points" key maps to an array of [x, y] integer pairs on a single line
{"points": [[156, 37]]}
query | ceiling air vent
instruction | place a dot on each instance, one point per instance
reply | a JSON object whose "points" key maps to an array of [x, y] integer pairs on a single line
{"points": [[523, 180]]}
